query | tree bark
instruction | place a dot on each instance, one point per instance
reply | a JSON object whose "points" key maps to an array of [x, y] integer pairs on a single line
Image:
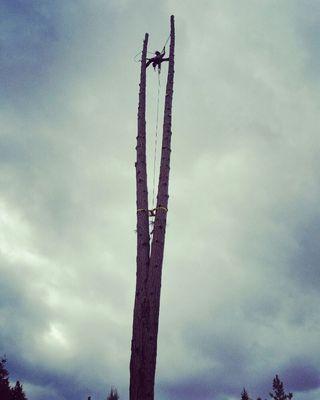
{"points": [[157, 247], [149, 266], [137, 369]]}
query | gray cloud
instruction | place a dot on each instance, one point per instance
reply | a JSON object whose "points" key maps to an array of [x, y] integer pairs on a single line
{"points": [[239, 298]]}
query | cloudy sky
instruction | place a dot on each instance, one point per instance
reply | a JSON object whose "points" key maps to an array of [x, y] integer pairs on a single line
{"points": [[240, 294]]}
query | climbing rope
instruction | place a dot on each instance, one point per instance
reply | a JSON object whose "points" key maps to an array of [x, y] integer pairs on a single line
{"points": [[156, 136], [166, 41], [153, 211], [135, 57], [155, 145], [138, 54]]}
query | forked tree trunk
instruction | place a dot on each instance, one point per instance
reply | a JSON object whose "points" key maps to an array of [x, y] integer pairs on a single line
{"points": [[149, 266], [137, 369]]}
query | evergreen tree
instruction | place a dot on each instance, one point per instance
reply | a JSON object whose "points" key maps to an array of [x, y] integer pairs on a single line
{"points": [[113, 395], [278, 390], [245, 395], [4, 381], [17, 392]]}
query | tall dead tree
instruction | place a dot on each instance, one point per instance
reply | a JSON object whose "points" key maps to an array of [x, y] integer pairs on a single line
{"points": [[149, 264], [157, 248], [143, 242]]}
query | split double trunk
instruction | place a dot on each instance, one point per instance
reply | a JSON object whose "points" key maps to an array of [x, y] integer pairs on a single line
{"points": [[149, 258]]}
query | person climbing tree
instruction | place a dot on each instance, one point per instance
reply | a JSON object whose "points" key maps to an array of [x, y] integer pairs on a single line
{"points": [[157, 59]]}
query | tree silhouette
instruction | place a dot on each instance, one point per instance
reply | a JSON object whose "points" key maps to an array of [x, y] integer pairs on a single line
{"points": [[4, 381], [278, 390], [17, 392], [245, 395], [113, 395]]}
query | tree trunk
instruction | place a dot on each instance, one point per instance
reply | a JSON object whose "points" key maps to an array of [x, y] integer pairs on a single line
{"points": [[149, 266], [137, 370], [157, 247]]}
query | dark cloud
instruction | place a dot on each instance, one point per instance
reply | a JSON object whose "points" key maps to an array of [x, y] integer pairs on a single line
{"points": [[239, 298], [28, 46], [301, 375], [188, 390]]}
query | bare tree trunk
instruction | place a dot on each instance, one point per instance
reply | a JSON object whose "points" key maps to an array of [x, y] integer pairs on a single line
{"points": [[149, 266], [157, 248], [137, 369]]}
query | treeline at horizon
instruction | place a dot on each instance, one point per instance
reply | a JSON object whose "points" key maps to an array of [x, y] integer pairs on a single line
{"points": [[8, 392], [16, 392]]}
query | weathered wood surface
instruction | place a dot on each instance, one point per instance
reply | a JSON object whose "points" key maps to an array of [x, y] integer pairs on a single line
{"points": [[149, 261], [137, 369]]}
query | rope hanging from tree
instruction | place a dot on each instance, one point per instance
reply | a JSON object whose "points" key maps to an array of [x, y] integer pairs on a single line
{"points": [[155, 146], [152, 212]]}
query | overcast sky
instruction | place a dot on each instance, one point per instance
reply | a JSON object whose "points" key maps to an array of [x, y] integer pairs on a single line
{"points": [[240, 291]]}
